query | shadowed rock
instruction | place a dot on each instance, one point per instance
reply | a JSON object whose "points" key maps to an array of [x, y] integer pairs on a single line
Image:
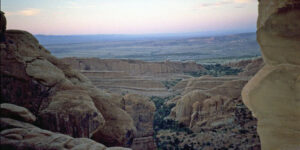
{"points": [[13, 111], [62, 99]]}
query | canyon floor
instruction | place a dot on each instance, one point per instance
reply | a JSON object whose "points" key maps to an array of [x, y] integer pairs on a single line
{"points": [[197, 106]]}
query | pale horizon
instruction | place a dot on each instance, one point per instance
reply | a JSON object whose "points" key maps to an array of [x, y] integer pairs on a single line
{"points": [[80, 17]]}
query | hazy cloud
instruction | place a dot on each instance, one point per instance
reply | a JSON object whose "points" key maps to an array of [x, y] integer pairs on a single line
{"points": [[25, 12], [219, 3], [225, 2], [244, 1]]}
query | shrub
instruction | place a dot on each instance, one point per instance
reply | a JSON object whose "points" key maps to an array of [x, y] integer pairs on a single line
{"points": [[215, 70]]}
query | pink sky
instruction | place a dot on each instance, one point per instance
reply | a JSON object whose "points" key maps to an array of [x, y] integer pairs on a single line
{"points": [[129, 16]]}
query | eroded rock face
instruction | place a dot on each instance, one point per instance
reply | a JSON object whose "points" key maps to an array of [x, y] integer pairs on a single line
{"points": [[62, 99], [204, 101], [278, 31], [273, 94], [14, 111], [35, 79], [119, 127], [142, 110], [22, 135], [132, 66], [18, 135], [253, 67]]}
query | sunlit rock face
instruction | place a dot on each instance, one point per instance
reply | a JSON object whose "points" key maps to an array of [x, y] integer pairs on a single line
{"points": [[273, 95]]}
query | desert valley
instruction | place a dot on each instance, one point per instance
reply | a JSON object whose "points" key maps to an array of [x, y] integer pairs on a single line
{"points": [[154, 92], [143, 105]]}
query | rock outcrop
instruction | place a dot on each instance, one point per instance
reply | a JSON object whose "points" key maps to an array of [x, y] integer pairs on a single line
{"points": [[134, 67], [18, 135], [119, 128], [62, 99], [17, 112], [133, 76], [206, 83], [203, 104], [273, 93], [252, 68], [142, 110], [212, 108]]}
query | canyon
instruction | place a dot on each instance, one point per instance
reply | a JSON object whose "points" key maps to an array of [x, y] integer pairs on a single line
{"points": [[48, 103], [66, 101]]}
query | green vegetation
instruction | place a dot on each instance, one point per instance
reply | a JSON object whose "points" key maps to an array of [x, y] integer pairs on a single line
{"points": [[171, 83], [228, 59], [215, 70], [162, 111], [161, 123]]}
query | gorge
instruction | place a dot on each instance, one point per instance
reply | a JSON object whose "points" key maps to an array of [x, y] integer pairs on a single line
{"points": [[50, 103]]}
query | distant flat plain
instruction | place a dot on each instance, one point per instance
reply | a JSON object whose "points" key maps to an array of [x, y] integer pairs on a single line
{"points": [[210, 49]]}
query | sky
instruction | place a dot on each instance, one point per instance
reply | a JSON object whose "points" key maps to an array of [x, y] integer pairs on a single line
{"points": [[69, 17]]}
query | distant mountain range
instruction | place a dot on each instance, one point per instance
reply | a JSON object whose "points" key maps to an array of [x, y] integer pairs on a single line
{"points": [[155, 47], [67, 39]]}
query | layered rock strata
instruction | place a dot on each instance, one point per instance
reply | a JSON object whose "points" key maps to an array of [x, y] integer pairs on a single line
{"points": [[132, 67]]}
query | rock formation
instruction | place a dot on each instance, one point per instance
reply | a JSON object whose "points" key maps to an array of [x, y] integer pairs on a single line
{"points": [[2, 26], [249, 67], [252, 68], [132, 66], [18, 135], [206, 82], [201, 103], [133, 76], [62, 99], [273, 93], [142, 110], [212, 108], [17, 112]]}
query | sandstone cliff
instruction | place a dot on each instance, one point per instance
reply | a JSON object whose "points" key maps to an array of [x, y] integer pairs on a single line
{"points": [[132, 66], [63, 100], [19, 135], [250, 67], [273, 93], [201, 101], [142, 110]]}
